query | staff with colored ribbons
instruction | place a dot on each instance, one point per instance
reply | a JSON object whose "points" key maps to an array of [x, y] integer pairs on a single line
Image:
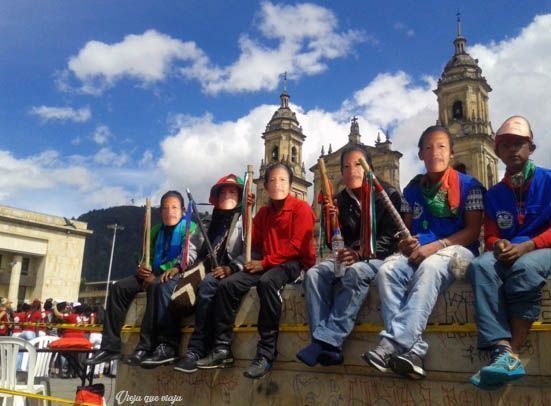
{"points": [[403, 230]]}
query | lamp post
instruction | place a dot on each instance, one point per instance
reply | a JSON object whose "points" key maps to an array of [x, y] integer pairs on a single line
{"points": [[113, 227]]}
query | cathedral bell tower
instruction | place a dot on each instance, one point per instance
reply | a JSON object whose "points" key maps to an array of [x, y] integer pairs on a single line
{"points": [[462, 94], [283, 141]]}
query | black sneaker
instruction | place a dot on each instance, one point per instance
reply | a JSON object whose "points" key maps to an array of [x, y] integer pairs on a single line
{"points": [[258, 368], [163, 355], [409, 365], [188, 364], [378, 358], [136, 358], [218, 358]]}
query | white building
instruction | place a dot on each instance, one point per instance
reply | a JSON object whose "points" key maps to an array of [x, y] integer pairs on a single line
{"points": [[40, 255]]}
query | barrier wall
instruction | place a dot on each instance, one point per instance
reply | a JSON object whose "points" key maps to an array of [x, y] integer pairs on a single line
{"points": [[452, 359]]}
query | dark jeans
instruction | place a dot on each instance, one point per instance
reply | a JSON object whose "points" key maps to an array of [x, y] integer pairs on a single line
{"points": [[269, 285], [120, 296], [202, 338], [168, 326]]}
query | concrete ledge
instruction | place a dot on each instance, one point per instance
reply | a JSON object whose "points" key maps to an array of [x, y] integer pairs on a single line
{"points": [[452, 359]]}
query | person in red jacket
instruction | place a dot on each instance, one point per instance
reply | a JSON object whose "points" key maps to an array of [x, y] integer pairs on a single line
{"points": [[282, 245], [18, 317]]}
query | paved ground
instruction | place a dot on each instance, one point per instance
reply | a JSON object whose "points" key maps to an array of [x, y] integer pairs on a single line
{"points": [[66, 388]]}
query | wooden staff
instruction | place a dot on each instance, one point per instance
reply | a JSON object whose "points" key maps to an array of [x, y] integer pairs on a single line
{"points": [[326, 190], [147, 232], [403, 230], [249, 214]]}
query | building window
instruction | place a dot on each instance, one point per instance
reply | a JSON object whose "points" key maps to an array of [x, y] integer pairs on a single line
{"points": [[457, 110], [275, 154], [294, 155], [25, 266]]}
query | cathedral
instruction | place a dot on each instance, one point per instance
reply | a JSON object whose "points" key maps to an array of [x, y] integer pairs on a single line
{"points": [[462, 95]]}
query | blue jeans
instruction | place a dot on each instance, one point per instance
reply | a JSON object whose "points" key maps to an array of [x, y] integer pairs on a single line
{"points": [[507, 292], [333, 303], [408, 294]]}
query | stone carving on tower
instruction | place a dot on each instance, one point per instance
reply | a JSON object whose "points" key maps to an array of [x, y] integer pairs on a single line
{"points": [[283, 141], [462, 94]]}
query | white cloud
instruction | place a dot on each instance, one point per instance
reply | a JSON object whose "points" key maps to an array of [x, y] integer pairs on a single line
{"points": [[399, 26], [518, 71], [47, 113], [69, 186], [101, 135], [306, 39], [106, 156], [147, 158]]}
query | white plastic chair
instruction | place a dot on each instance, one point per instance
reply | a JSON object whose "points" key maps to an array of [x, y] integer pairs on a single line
{"points": [[9, 349], [43, 358]]}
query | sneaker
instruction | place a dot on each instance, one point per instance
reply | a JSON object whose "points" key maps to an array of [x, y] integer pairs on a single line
{"points": [[378, 358], [409, 365], [504, 368], [163, 355], [258, 368], [479, 383], [219, 358], [188, 364]]}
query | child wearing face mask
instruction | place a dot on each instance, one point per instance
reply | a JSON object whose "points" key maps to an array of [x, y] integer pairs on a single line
{"points": [[225, 233], [333, 302], [508, 278], [282, 245], [443, 210]]}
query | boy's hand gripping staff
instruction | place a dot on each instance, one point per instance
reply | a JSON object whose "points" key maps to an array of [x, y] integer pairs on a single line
{"points": [[403, 230], [202, 229]]}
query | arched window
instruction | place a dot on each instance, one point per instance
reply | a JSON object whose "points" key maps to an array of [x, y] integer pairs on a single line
{"points": [[275, 154], [457, 110], [294, 155]]}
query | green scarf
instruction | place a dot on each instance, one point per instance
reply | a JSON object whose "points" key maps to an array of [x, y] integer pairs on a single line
{"points": [[437, 200], [518, 179]]}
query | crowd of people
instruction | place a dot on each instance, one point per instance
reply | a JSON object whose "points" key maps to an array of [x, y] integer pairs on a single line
{"points": [[444, 210], [36, 319]]}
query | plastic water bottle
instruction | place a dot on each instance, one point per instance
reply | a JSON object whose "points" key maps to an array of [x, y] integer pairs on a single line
{"points": [[337, 244]]}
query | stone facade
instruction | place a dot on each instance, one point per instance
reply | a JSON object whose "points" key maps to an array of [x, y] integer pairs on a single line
{"points": [[41, 255], [283, 141], [462, 94]]}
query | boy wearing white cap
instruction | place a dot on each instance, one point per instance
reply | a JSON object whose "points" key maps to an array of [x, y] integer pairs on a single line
{"points": [[507, 280]]}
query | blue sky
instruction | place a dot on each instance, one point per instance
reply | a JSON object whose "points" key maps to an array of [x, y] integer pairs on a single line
{"points": [[103, 102]]}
